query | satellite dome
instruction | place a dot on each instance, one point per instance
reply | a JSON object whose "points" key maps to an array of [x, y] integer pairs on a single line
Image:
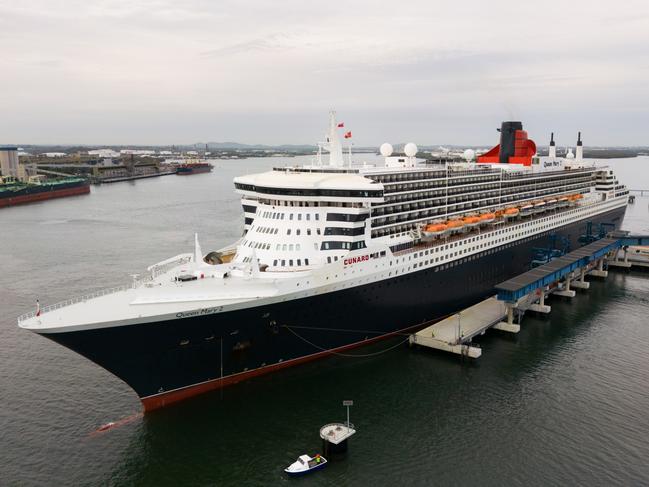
{"points": [[410, 149], [468, 155], [570, 155], [386, 150]]}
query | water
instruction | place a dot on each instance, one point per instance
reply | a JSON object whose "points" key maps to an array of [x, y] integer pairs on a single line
{"points": [[563, 403]]}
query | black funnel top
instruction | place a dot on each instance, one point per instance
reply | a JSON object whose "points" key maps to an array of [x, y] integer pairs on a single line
{"points": [[507, 139]]}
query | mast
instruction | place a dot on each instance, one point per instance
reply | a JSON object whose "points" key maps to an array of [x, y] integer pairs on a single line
{"points": [[552, 152], [333, 144], [579, 150]]}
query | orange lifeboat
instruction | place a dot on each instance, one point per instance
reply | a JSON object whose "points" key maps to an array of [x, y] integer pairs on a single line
{"points": [[487, 218], [539, 206], [511, 212], [526, 209], [572, 199], [435, 229], [471, 221], [499, 213], [455, 225]]}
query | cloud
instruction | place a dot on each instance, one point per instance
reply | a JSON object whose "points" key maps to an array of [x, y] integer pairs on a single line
{"points": [[272, 42], [168, 71]]}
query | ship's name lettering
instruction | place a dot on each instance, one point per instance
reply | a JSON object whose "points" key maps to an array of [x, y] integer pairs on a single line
{"points": [[355, 260], [199, 312]]}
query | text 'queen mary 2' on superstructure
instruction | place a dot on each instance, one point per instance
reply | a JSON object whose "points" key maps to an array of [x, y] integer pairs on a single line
{"points": [[335, 255]]}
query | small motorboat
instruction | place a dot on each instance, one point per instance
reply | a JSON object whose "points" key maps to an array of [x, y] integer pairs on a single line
{"points": [[306, 464]]}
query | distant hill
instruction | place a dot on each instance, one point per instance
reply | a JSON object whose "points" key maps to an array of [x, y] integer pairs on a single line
{"points": [[237, 145]]}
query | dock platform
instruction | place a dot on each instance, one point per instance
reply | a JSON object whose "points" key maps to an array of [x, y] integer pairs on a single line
{"points": [[453, 334]]}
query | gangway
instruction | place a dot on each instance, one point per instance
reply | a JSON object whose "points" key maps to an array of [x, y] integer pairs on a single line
{"points": [[454, 334]]}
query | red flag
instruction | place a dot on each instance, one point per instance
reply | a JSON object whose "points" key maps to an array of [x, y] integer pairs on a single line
{"points": [[348, 135], [341, 125]]}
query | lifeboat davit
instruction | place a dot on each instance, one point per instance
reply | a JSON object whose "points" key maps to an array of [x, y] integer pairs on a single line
{"points": [[526, 209], [455, 225], [486, 218], [435, 229], [511, 212], [573, 198], [471, 221]]}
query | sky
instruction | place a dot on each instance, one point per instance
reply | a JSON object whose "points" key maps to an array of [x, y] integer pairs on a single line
{"points": [[431, 72]]}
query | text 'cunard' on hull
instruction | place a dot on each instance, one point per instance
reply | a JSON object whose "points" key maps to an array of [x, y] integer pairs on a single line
{"points": [[335, 255]]}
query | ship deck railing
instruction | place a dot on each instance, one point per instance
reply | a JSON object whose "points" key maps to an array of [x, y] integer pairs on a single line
{"points": [[156, 271]]}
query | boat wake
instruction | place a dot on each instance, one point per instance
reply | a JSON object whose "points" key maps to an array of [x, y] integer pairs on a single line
{"points": [[116, 424]]}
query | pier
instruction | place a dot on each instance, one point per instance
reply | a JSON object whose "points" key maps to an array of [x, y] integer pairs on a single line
{"points": [[528, 292]]}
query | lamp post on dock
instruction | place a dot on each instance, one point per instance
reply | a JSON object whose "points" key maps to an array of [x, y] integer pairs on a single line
{"points": [[347, 404]]}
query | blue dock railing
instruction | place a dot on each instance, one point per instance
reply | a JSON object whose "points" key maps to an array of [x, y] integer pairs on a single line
{"points": [[514, 289]]}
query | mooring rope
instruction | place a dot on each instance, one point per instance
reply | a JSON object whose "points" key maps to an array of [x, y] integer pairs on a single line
{"points": [[347, 330], [364, 355]]}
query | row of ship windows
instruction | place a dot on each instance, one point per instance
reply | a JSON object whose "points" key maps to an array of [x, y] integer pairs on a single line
{"points": [[256, 245], [280, 216], [332, 245], [335, 217], [309, 204], [548, 181], [298, 231], [343, 193], [441, 195], [439, 200], [407, 215], [481, 175], [298, 262], [272, 231], [349, 232]]}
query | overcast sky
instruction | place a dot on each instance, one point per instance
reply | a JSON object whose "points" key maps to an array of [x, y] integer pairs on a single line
{"points": [[432, 72]]}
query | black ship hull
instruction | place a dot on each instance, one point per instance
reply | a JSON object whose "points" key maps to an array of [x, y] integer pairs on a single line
{"points": [[168, 361]]}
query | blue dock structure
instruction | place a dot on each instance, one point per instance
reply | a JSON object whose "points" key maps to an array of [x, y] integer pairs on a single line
{"points": [[528, 291], [562, 275]]}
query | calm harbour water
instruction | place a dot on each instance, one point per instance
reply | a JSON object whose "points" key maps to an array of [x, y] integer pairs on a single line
{"points": [[566, 402]]}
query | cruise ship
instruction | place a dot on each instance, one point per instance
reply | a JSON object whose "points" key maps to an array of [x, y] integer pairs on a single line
{"points": [[336, 255]]}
